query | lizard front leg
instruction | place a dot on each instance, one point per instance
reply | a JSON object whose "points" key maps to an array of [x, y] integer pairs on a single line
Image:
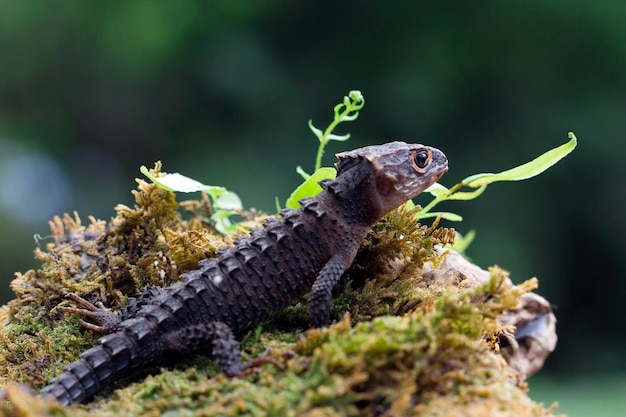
{"points": [[321, 293]]}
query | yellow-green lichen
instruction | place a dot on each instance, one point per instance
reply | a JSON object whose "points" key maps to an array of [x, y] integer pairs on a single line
{"points": [[407, 346]]}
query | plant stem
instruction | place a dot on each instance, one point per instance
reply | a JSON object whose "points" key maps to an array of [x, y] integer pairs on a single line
{"points": [[439, 199]]}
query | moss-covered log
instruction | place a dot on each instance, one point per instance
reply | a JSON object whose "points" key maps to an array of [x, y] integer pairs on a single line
{"points": [[409, 344]]}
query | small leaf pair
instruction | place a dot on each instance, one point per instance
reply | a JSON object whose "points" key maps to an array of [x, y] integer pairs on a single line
{"points": [[225, 203]]}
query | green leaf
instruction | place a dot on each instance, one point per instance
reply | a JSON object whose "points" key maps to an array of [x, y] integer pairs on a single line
{"points": [[437, 190], [467, 195], [223, 223], [310, 187], [228, 201], [453, 217], [179, 183], [317, 132], [339, 107], [527, 170], [221, 214], [350, 118], [339, 138]]}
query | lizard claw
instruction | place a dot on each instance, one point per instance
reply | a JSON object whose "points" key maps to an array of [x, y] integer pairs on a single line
{"points": [[250, 367], [105, 320]]}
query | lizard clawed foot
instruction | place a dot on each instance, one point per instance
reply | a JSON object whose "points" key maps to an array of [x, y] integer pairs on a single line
{"points": [[105, 320], [250, 367]]}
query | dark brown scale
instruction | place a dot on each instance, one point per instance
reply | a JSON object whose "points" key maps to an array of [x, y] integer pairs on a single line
{"points": [[232, 292], [306, 251], [253, 295], [200, 288], [186, 295], [264, 269], [159, 316], [302, 262], [262, 301]]}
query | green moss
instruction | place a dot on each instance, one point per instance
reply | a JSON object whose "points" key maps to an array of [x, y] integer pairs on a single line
{"points": [[417, 364], [405, 347], [146, 245]]}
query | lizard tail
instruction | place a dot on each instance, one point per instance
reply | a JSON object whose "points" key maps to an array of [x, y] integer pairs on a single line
{"points": [[118, 354]]}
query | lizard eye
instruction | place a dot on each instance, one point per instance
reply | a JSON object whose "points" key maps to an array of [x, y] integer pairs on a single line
{"points": [[421, 159]]}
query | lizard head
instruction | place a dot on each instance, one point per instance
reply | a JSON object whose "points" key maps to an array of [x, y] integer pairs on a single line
{"points": [[392, 173]]}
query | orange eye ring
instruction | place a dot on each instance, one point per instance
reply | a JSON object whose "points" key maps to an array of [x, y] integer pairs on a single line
{"points": [[421, 159]]}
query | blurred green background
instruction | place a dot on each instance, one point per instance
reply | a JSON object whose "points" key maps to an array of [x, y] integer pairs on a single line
{"points": [[222, 90]]}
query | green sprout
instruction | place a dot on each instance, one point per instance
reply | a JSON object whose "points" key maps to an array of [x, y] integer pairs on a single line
{"points": [[346, 111]]}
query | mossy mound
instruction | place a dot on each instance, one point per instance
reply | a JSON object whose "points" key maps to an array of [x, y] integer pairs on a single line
{"points": [[406, 347]]}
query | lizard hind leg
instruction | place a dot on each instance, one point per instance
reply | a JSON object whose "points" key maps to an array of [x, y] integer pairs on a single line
{"points": [[218, 339], [104, 320]]}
